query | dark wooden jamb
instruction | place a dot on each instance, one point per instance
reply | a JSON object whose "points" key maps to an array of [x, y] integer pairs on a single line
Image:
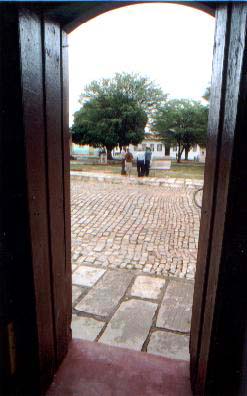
{"points": [[16, 266], [45, 95], [55, 190], [35, 146], [215, 121], [73, 15], [221, 359], [66, 173]]}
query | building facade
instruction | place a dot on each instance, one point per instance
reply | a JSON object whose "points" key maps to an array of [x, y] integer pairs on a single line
{"points": [[161, 151], [158, 148]]}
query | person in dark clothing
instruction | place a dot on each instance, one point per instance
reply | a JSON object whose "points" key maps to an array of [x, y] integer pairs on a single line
{"points": [[123, 154], [140, 163], [129, 160], [148, 156]]}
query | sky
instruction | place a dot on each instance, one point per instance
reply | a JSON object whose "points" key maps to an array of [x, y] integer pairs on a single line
{"points": [[169, 43]]}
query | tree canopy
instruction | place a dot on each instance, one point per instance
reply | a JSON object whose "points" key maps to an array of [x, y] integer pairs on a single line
{"points": [[108, 120], [183, 123], [115, 111], [139, 88]]}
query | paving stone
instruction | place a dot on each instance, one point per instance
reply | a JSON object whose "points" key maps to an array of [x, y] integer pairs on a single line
{"points": [[147, 287], [127, 225], [105, 296], [129, 326], [175, 310], [73, 267], [76, 292], [169, 345], [85, 328], [87, 276]]}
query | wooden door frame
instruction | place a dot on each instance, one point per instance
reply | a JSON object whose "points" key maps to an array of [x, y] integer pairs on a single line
{"points": [[216, 343], [39, 42]]}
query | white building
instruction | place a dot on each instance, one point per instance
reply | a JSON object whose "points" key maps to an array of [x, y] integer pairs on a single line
{"points": [[196, 153], [158, 148], [162, 151]]}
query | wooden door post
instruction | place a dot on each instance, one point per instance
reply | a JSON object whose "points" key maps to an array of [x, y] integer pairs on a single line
{"points": [[220, 304], [35, 269]]}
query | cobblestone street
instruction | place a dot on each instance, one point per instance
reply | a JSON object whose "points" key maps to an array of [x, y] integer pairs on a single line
{"points": [[148, 228], [134, 253]]}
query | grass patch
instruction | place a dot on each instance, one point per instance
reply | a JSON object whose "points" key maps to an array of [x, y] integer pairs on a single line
{"points": [[185, 170]]}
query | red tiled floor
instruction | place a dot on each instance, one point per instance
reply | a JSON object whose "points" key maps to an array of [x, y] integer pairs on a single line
{"points": [[93, 369]]}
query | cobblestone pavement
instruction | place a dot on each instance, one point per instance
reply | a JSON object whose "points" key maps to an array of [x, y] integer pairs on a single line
{"points": [[153, 229]]}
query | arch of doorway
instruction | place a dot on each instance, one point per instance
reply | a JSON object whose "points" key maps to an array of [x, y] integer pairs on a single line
{"points": [[71, 17]]}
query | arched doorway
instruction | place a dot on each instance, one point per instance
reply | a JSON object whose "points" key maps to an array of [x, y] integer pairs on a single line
{"points": [[37, 47]]}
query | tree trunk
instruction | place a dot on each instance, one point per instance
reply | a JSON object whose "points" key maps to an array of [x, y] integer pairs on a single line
{"points": [[109, 154], [180, 152], [186, 154]]}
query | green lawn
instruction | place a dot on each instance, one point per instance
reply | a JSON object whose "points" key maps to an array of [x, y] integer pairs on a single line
{"points": [[187, 169]]}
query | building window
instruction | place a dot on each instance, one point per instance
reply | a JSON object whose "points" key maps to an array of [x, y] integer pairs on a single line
{"points": [[159, 147], [167, 151], [152, 147], [174, 149], [135, 148], [195, 148], [144, 146]]}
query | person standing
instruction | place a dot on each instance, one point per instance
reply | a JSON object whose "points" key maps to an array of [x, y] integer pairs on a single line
{"points": [[102, 155], [128, 162], [140, 163], [148, 156], [123, 154]]}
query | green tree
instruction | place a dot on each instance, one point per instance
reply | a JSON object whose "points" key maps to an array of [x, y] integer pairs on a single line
{"points": [[182, 123], [108, 120], [207, 93], [140, 89]]}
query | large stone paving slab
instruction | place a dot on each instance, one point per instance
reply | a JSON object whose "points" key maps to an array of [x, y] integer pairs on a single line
{"points": [[76, 292], [85, 328], [175, 310], [147, 287], [169, 345], [105, 296], [87, 276], [129, 326]]}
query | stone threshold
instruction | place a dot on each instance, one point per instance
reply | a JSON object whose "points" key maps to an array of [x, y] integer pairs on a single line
{"points": [[97, 369]]}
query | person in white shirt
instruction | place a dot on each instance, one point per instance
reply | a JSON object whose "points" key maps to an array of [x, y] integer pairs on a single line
{"points": [[140, 163], [123, 154]]}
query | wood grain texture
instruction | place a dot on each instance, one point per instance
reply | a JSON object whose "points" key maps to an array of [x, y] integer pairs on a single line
{"points": [[72, 16], [54, 140], [17, 276], [223, 332], [38, 82], [36, 173], [66, 175], [228, 260], [4, 292], [215, 120]]}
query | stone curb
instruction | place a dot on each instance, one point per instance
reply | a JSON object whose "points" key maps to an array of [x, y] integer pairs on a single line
{"points": [[160, 182]]}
